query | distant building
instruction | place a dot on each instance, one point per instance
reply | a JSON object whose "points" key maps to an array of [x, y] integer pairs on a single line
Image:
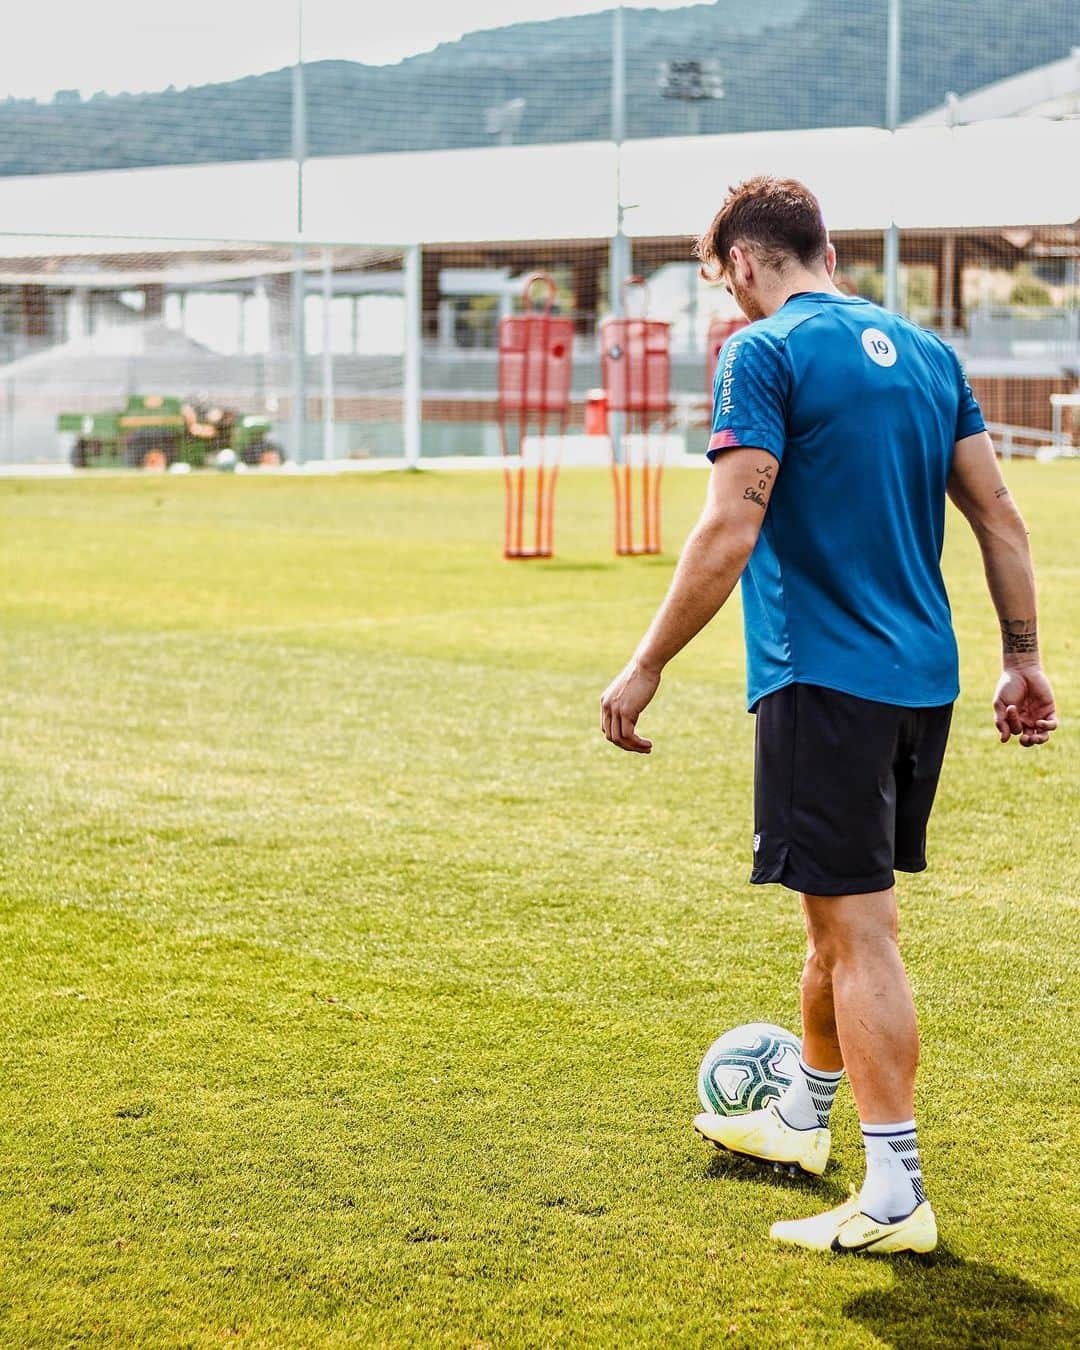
{"points": [[1052, 91]]}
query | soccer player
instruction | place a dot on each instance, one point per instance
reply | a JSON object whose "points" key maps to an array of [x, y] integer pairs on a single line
{"points": [[838, 430]]}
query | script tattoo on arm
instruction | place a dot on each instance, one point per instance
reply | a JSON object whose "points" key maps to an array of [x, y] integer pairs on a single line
{"points": [[757, 492], [1002, 491], [1019, 636]]}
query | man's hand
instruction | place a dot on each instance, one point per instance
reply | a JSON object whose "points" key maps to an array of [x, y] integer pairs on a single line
{"points": [[624, 700], [1024, 706], [1023, 700]]}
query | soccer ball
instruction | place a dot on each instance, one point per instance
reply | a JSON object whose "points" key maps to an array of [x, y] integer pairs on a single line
{"points": [[225, 460], [747, 1067]]}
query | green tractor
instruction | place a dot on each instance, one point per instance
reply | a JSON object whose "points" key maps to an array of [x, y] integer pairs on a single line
{"points": [[154, 431]]}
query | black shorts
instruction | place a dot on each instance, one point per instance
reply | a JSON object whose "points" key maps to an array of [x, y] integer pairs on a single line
{"points": [[843, 789]]}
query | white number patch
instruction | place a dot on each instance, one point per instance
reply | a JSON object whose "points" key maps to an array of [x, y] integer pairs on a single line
{"points": [[878, 347]]}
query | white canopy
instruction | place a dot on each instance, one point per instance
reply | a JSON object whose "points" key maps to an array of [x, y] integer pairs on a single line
{"points": [[988, 175], [675, 186], [1019, 171], [1052, 90]]}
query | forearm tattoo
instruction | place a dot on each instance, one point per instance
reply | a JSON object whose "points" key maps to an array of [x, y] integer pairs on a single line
{"points": [[757, 493], [1019, 636]]}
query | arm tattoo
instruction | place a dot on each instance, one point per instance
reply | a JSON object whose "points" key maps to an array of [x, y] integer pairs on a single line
{"points": [[1002, 491], [1019, 636], [757, 494]]}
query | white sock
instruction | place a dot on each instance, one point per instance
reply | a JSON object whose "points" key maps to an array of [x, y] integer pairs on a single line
{"points": [[806, 1104], [894, 1181]]}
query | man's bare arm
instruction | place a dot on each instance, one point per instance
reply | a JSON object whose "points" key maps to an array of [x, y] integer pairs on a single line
{"points": [[1023, 701], [711, 562]]}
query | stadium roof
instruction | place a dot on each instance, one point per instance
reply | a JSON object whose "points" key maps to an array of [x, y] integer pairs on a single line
{"points": [[995, 174], [103, 263], [1052, 90]]}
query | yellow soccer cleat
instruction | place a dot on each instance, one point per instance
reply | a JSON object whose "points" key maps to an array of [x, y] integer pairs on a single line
{"points": [[848, 1229], [767, 1137]]}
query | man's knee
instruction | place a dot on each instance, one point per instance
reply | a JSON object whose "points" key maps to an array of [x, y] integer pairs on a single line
{"points": [[816, 977], [843, 930]]}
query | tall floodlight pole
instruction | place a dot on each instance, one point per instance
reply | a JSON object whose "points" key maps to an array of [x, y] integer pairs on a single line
{"points": [[299, 290], [619, 254], [892, 121], [619, 258]]}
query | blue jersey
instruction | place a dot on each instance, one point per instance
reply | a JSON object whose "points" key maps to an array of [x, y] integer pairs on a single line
{"points": [[844, 586]]}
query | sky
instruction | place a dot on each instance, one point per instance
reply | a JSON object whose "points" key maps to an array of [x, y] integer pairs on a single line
{"points": [[138, 45]]}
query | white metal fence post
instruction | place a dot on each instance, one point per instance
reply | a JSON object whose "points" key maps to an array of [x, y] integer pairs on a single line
{"points": [[327, 356], [299, 356], [411, 407], [619, 252], [892, 120], [299, 281]]}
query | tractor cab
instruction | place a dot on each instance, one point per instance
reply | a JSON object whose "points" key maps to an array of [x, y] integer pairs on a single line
{"points": [[207, 422]]}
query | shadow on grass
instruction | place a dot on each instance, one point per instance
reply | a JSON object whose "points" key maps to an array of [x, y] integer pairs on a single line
{"points": [[941, 1300], [730, 1166]]}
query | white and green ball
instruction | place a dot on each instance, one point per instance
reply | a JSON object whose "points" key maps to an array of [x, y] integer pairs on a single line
{"points": [[745, 1068]]}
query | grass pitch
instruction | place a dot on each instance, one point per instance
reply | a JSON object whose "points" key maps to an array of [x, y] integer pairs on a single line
{"points": [[353, 987]]}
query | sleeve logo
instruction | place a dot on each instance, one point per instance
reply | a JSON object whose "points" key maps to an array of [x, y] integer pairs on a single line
{"points": [[878, 347], [727, 379]]}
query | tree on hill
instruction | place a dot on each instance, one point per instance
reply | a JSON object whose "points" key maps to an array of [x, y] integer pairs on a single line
{"points": [[794, 63]]}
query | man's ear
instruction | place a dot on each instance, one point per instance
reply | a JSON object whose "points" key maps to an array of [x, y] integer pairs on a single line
{"points": [[830, 260], [741, 266]]}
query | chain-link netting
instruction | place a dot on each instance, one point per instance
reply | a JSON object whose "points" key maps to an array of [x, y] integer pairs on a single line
{"points": [[152, 83], [310, 223], [112, 352]]}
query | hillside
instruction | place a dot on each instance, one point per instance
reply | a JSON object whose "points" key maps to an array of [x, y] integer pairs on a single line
{"points": [[810, 64]]}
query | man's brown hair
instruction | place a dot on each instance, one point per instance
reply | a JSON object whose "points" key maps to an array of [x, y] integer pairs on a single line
{"points": [[778, 218]]}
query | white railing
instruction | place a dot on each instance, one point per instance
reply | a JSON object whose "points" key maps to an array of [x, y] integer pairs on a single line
{"points": [[1031, 442]]}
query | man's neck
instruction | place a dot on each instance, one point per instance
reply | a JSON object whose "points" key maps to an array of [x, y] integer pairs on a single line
{"points": [[797, 283]]}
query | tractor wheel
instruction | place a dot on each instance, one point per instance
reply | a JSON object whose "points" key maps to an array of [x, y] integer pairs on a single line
{"points": [[145, 439], [81, 452], [262, 450]]}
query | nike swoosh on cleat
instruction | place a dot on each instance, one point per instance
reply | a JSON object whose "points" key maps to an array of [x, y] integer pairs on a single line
{"points": [[838, 1246]]}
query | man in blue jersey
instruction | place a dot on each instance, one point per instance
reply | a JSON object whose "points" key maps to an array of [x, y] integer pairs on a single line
{"points": [[838, 431]]}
